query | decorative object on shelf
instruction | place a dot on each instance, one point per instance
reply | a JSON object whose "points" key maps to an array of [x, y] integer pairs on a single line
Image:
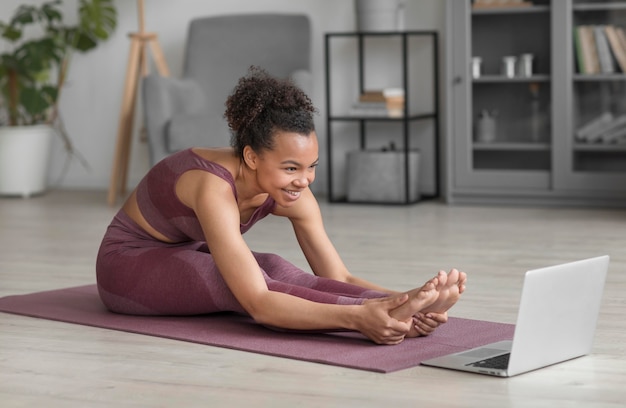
{"points": [[486, 126], [509, 63], [378, 176], [476, 67], [137, 66], [525, 65], [380, 15], [394, 99], [32, 76]]}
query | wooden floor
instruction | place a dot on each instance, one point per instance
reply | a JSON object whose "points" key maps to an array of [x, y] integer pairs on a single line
{"points": [[51, 241]]}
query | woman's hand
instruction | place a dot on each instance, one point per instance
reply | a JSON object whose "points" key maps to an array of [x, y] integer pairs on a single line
{"points": [[378, 326], [425, 324]]}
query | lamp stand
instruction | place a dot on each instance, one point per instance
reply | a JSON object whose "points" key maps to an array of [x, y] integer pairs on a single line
{"points": [[137, 67]]}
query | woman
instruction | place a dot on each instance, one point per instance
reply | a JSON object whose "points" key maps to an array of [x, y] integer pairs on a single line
{"points": [[176, 246]]}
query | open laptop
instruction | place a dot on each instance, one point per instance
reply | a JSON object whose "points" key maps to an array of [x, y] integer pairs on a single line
{"points": [[556, 321]]}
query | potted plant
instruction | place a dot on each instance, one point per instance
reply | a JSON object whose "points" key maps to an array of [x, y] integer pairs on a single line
{"points": [[33, 69]]}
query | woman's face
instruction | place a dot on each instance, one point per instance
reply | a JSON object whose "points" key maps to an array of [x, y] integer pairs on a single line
{"points": [[286, 170]]}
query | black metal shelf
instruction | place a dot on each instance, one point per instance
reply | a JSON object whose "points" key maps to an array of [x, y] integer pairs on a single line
{"points": [[496, 11], [405, 119], [383, 118], [499, 79]]}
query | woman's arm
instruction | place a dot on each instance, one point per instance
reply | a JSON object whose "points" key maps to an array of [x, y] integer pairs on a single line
{"points": [[213, 201], [325, 261], [317, 247]]}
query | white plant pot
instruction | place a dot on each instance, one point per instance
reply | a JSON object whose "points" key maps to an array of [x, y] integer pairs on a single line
{"points": [[24, 158]]}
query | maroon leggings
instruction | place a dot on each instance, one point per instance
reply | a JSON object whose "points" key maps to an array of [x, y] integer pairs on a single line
{"points": [[139, 275]]}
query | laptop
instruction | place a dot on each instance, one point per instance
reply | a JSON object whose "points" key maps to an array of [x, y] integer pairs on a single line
{"points": [[556, 322]]}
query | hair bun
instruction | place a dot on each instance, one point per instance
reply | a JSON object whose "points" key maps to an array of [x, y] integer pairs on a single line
{"points": [[260, 104]]}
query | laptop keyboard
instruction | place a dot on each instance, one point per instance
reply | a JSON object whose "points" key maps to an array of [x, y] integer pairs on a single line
{"points": [[500, 362]]}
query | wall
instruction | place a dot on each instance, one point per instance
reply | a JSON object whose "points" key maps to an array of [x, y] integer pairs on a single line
{"points": [[91, 100]]}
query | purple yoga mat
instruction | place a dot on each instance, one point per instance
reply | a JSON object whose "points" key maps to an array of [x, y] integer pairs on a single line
{"points": [[82, 305]]}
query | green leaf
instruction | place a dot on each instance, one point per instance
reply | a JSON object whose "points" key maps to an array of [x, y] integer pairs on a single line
{"points": [[30, 62], [84, 42], [50, 93], [24, 15], [37, 55], [51, 13], [10, 33], [34, 102], [98, 19], [42, 76]]}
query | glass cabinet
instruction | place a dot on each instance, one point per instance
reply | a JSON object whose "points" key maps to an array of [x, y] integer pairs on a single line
{"points": [[593, 138], [522, 105]]}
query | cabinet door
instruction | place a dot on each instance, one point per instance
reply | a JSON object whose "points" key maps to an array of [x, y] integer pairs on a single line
{"points": [[591, 100], [501, 118]]}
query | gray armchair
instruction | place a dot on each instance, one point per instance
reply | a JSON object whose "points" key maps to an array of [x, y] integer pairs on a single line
{"points": [[188, 111]]}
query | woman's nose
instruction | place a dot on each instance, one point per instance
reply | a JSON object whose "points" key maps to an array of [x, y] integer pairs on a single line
{"points": [[303, 181]]}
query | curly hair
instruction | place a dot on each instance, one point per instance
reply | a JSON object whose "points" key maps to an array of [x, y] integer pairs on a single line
{"points": [[261, 105]]}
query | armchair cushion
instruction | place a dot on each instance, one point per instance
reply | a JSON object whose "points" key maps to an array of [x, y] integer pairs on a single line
{"points": [[182, 113], [303, 79], [187, 130]]}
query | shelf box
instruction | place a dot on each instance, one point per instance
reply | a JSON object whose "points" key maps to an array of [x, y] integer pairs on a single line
{"points": [[377, 176]]}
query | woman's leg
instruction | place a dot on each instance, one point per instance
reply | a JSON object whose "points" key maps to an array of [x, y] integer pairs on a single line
{"points": [[138, 275], [163, 281], [283, 276], [185, 281]]}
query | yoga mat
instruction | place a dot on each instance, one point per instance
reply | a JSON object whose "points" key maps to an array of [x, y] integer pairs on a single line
{"points": [[82, 305]]}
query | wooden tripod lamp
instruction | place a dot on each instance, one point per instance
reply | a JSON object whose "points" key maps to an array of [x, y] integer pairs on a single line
{"points": [[137, 68]]}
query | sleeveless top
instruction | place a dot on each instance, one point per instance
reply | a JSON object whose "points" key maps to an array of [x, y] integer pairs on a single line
{"points": [[160, 206]]}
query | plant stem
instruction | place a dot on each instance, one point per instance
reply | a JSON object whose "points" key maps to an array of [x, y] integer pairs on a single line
{"points": [[13, 97], [62, 73]]}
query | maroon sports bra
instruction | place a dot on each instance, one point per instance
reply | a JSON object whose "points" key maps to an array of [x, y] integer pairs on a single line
{"points": [[161, 208]]}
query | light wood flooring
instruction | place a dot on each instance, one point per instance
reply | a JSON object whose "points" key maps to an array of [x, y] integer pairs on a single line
{"points": [[51, 241]]}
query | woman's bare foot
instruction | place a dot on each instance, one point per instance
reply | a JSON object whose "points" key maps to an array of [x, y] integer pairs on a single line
{"points": [[449, 290], [420, 298]]}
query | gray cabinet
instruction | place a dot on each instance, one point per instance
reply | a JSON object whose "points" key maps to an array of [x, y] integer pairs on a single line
{"points": [[518, 101]]}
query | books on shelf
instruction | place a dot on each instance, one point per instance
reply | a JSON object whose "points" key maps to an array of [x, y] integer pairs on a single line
{"points": [[617, 135], [605, 129], [600, 49], [494, 4], [385, 103], [617, 47], [372, 96], [368, 109], [370, 103], [578, 51], [587, 50], [605, 58]]}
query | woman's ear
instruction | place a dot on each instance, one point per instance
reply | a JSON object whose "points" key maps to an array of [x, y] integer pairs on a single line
{"points": [[250, 157]]}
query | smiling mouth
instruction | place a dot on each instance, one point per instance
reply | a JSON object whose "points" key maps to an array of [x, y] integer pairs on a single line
{"points": [[292, 192]]}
